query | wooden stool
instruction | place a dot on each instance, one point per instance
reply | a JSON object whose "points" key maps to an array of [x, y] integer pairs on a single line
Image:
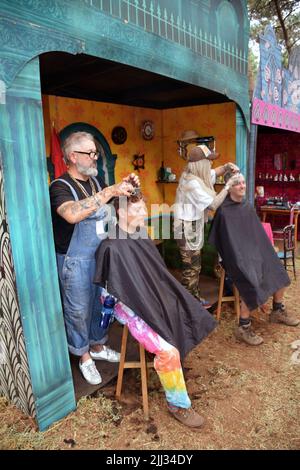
{"points": [[233, 298], [142, 364]]}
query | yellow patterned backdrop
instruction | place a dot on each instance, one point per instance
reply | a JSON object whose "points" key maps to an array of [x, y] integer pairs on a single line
{"points": [[217, 120]]}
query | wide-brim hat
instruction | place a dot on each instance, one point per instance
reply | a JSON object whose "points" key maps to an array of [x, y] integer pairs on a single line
{"points": [[188, 135], [201, 152]]}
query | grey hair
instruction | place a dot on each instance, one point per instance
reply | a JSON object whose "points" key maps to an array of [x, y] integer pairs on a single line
{"points": [[72, 141], [229, 173]]}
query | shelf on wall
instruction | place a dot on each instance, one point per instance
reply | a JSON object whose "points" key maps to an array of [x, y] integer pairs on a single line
{"points": [[277, 182], [166, 182]]}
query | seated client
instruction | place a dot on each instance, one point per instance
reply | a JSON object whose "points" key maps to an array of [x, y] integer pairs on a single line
{"points": [[159, 312]]}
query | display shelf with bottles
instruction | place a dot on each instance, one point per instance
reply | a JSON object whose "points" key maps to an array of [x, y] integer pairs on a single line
{"points": [[165, 175], [277, 177], [277, 166], [270, 184], [270, 181], [274, 184]]}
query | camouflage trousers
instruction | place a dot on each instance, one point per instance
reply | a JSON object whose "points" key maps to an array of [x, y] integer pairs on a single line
{"points": [[191, 261]]}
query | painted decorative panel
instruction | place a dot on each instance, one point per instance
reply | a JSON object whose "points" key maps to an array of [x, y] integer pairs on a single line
{"points": [[20, 42], [185, 39], [266, 114], [291, 77], [196, 25], [15, 381], [276, 100]]}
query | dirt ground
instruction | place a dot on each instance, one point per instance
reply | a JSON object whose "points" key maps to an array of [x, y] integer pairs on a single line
{"points": [[249, 397]]}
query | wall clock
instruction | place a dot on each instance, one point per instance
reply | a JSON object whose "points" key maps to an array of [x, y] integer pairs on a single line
{"points": [[147, 130], [119, 135]]}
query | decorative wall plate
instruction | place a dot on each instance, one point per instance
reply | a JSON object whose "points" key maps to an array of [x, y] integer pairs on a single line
{"points": [[147, 130], [119, 135], [138, 161]]}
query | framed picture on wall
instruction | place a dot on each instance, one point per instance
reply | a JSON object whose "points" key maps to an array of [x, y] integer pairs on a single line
{"points": [[278, 161], [284, 160]]}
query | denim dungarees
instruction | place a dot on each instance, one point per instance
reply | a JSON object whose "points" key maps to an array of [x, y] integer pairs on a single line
{"points": [[81, 298]]}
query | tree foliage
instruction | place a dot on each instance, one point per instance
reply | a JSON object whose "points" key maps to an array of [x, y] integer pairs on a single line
{"points": [[284, 16], [252, 71]]}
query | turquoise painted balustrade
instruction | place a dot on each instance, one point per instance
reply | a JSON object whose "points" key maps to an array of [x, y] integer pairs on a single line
{"points": [[185, 23]]}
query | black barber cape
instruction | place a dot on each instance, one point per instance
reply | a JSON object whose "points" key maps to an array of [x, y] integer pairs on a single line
{"points": [[247, 254], [137, 275]]}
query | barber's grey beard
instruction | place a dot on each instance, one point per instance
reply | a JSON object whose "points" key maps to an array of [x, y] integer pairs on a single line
{"points": [[86, 171]]}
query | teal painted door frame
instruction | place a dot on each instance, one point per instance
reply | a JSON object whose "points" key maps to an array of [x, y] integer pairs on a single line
{"points": [[241, 138], [22, 148]]}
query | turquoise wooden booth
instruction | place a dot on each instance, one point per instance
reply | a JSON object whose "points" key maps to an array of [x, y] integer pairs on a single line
{"points": [[203, 43]]}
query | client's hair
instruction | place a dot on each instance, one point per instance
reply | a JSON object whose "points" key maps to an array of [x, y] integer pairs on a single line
{"points": [[135, 197], [229, 173]]}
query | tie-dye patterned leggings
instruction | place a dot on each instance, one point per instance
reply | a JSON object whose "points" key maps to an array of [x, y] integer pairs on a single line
{"points": [[167, 360]]}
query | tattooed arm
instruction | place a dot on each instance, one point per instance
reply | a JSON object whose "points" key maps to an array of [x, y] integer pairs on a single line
{"points": [[76, 211]]}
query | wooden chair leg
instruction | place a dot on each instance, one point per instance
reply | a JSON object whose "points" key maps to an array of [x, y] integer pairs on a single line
{"points": [[294, 264], [221, 289], [142, 365], [237, 302], [122, 361], [144, 381]]}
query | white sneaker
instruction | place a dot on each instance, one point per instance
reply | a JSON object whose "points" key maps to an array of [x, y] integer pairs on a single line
{"points": [[107, 354], [89, 372]]}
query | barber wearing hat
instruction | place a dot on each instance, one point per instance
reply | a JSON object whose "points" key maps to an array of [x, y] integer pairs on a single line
{"points": [[195, 195]]}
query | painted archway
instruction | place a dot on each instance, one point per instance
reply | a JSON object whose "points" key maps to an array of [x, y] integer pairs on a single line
{"points": [[107, 161]]}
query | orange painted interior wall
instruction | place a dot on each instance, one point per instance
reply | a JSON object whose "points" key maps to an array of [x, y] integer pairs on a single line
{"points": [[217, 120]]}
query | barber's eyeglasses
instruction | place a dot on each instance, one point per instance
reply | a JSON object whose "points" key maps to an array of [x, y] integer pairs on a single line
{"points": [[136, 192], [92, 155]]}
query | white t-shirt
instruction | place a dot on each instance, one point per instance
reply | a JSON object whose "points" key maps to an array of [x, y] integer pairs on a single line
{"points": [[191, 198]]}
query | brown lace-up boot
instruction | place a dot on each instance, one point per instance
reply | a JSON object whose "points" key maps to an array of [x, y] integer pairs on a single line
{"points": [[187, 416], [247, 335], [280, 315]]}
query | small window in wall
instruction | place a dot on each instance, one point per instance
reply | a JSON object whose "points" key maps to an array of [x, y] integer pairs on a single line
{"points": [[227, 23], [106, 162]]}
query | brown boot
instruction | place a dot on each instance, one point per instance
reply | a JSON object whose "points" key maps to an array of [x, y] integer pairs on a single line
{"points": [[187, 416], [248, 336], [280, 315]]}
